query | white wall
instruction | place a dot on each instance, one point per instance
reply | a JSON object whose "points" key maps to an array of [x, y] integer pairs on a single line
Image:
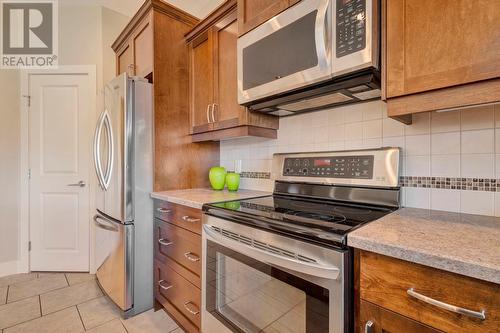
{"points": [[85, 36], [457, 144], [9, 164]]}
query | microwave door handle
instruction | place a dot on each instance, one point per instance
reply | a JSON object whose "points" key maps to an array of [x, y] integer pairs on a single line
{"points": [[322, 34], [308, 268]]}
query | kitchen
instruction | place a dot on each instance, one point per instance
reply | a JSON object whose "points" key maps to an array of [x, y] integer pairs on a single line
{"points": [[257, 166]]}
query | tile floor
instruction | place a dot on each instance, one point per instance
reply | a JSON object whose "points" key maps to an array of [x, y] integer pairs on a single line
{"points": [[68, 302]]}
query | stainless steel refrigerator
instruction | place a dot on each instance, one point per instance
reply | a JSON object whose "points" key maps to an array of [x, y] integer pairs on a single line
{"points": [[123, 156]]}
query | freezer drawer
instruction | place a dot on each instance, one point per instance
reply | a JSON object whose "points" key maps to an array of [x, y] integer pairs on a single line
{"points": [[114, 259]]}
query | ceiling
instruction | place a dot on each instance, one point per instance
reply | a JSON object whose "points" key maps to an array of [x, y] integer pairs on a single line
{"points": [[198, 8]]}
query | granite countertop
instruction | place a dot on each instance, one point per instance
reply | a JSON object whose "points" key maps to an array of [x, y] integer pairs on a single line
{"points": [[460, 243], [198, 196]]}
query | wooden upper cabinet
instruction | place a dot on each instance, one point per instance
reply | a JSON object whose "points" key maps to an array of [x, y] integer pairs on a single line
{"points": [[125, 59], [143, 49], [215, 112], [445, 44], [252, 13], [201, 83]]}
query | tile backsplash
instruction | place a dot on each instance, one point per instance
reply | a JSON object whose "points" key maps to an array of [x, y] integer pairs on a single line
{"points": [[448, 157]]}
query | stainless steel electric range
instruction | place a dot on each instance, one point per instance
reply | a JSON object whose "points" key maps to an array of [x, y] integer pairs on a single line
{"points": [[281, 263]]}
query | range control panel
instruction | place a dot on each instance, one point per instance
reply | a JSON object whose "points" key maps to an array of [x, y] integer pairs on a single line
{"points": [[351, 26], [353, 167]]}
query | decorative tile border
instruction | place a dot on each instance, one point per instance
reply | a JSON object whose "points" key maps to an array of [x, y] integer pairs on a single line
{"points": [[256, 175], [470, 184], [450, 183]]}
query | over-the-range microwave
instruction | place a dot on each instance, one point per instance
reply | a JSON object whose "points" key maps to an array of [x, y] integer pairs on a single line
{"points": [[313, 55]]}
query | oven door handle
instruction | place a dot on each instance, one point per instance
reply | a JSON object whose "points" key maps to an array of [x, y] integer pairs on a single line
{"points": [[313, 269]]}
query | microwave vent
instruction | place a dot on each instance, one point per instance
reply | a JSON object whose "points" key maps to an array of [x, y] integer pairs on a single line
{"points": [[370, 94], [316, 102]]}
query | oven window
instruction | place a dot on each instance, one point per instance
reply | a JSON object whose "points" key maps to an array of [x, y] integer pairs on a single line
{"points": [[287, 51], [250, 296]]}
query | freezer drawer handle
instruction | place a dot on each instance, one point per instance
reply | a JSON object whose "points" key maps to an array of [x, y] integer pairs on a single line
{"points": [[164, 210], [160, 283], [190, 219], [107, 225], [481, 315], [165, 242], [192, 311], [191, 256]]}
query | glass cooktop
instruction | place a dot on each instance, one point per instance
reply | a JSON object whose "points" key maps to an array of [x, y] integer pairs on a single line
{"points": [[320, 221]]}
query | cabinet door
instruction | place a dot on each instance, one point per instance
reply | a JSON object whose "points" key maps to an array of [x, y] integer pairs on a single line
{"points": [[126, 60], [143, 49], [252, 13], [375, 319], [227, 112], [436, 44], [201, 82]]}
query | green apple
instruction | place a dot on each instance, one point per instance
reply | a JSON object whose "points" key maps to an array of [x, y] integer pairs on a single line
{"points": [[217, 177], [233, 181]]}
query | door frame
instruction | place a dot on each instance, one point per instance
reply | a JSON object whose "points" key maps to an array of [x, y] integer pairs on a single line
{"points": [[24, 218]]}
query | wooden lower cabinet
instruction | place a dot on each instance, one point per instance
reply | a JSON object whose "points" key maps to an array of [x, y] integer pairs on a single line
{"points": [[375, 319], [177, 264], [390, 287]]}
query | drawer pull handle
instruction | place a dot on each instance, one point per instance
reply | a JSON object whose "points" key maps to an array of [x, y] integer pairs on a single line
{"points": [[165, 242], [191, 256], [195, 311], [164, 210], [161, 282], [190, 219], [369, 326], [474, 314]]}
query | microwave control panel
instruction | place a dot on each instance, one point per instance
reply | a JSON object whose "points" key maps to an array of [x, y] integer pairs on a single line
{"points": [[353, 167], [351, 26]]}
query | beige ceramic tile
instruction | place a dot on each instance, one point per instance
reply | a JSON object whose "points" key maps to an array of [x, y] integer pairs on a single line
{"points": [[76, 278], [73, 295], [292, 322], [66, 321], [18, 312], [3, 295], [150, 322], [97, 312], [114, 326], [36, 287], [16, 278]]}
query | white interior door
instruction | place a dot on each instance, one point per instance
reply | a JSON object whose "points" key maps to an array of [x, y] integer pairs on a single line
{"points": [[60, 116]]}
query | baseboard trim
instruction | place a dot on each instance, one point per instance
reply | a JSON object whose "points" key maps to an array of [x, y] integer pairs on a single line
{"points": [[9, 268]]}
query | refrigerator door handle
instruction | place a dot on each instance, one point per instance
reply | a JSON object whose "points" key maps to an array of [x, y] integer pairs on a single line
{"points": [[109, 131], [97, 153]]}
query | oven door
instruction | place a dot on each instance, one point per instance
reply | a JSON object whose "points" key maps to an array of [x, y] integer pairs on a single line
{"points": [[255, 281], [290, 51]]}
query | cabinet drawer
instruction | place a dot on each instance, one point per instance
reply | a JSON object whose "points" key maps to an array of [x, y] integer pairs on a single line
{"points": [[180, 245], [182, 216], [386, 282], [172, 289]]}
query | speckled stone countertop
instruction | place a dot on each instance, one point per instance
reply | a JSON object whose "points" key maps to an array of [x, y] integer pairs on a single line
{"points": [[198, 196], [460, 243]]}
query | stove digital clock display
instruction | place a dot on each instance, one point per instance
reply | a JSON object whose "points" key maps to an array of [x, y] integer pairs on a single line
{"points": [[322, 162]]}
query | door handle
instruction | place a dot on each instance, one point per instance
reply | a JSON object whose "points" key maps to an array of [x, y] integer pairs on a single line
{"points": [[190, 309], [191, 256], [190, 219], [208, 113], [81, 183], [213, 111]]}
